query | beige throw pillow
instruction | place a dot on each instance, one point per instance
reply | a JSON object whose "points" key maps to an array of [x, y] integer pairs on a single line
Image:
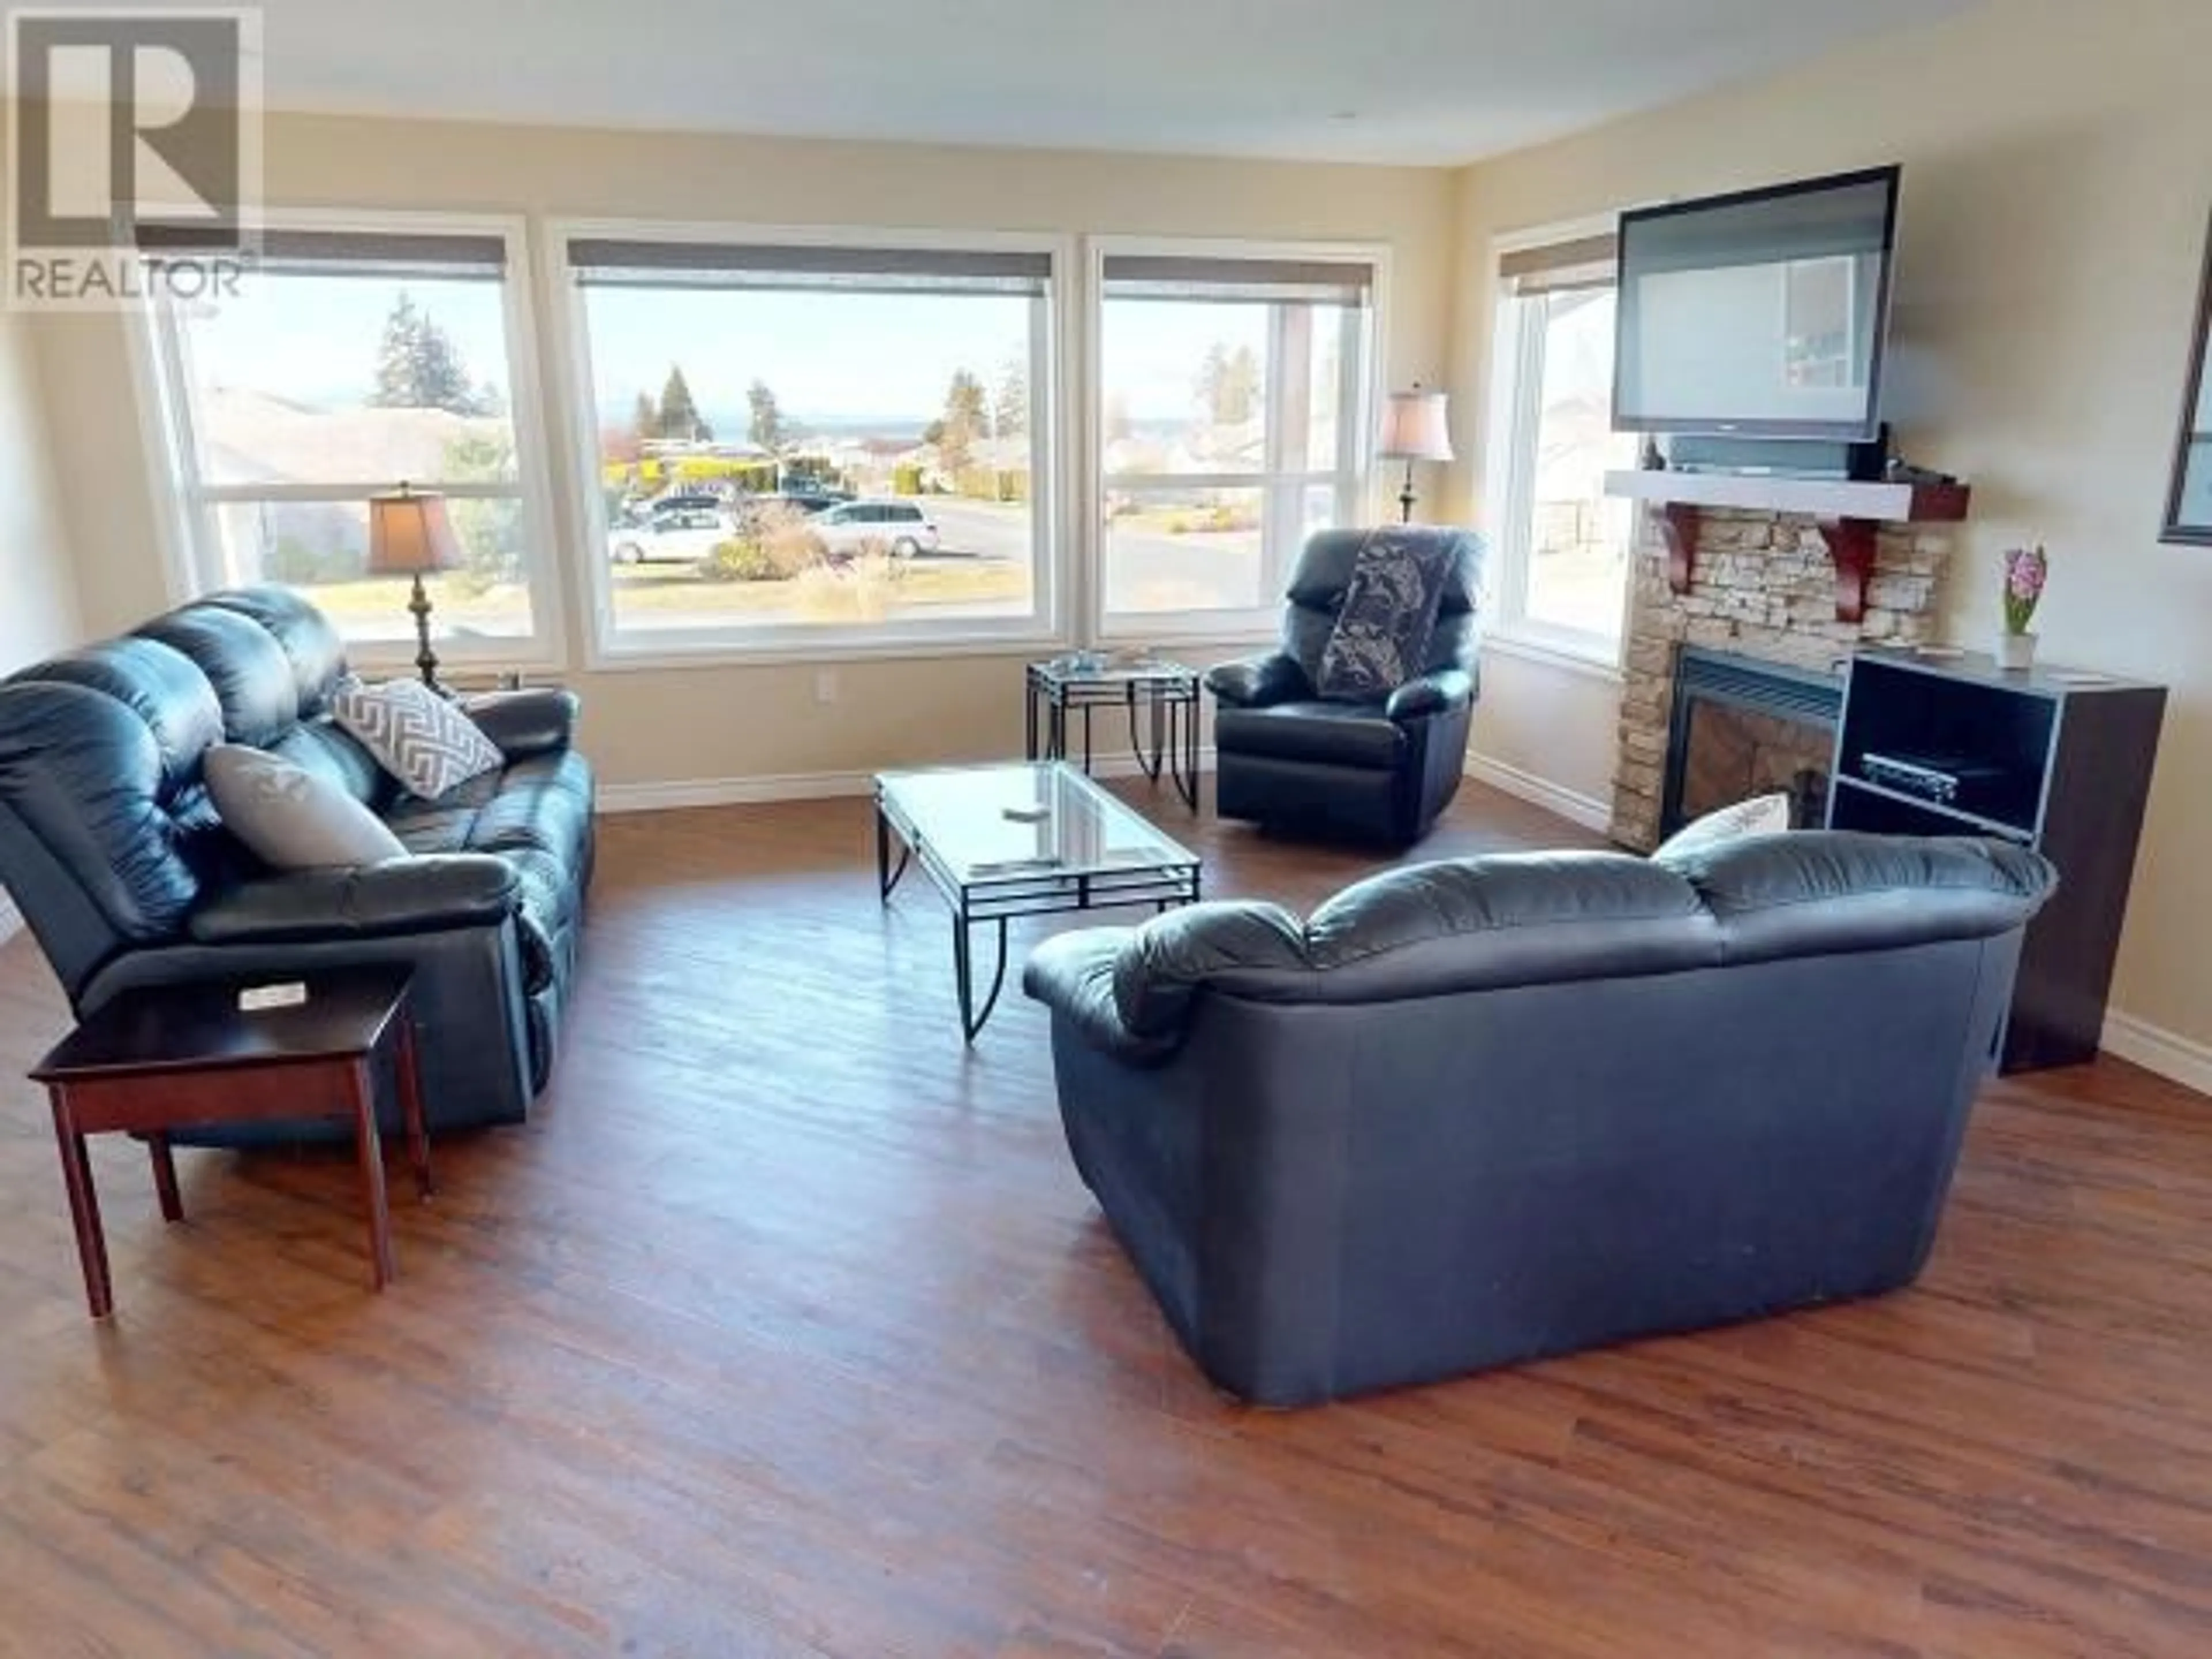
{"points": [[418, 737], [1762, 815], [292, 819]]}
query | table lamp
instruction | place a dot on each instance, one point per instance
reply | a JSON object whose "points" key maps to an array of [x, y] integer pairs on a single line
{"points": [[410, 535], [1414, 429]]}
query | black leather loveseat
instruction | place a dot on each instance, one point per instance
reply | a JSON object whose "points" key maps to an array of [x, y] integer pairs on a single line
{"points": [[115, 856], [1467, 1114]]}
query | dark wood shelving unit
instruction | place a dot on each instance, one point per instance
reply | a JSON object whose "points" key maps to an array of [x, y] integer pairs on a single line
{"points": [[2065, 759]]}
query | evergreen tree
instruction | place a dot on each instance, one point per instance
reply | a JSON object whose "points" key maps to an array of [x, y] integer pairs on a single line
{"points": [[1229, 384], [645, 422], [768, 429], [1240, 389], [1010, 415], [678, 417], [967, 418], [419, 366], [1212, 373], [441, 379], [395, 356]]}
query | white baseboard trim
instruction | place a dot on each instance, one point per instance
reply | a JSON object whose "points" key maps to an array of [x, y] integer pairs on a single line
{"points": [[795, 785], [2178, 1059], [11, 919], [732, 792], [1584, 809]]}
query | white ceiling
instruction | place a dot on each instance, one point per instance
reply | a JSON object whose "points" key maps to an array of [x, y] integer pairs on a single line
{"points": [[1400, 80]]}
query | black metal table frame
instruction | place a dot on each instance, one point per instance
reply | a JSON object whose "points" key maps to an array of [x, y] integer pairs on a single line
{"points": [[1171, 692], [1026, 892]]}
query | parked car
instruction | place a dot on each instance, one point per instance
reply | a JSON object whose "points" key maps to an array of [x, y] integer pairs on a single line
{"points": [[897, 527], [676, 529], [810, 500]]}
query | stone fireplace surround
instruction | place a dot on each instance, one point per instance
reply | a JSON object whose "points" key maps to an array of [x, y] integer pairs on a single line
{"points": [[1763, 587]]}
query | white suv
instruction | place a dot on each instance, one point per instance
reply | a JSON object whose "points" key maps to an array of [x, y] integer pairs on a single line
{"points": [[679, 530], [897, 527]]}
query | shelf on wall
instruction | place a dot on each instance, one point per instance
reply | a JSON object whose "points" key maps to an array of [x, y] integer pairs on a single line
{"points": [[1849, 516]]}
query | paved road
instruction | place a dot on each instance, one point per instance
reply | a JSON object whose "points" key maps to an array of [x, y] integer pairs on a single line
{"points": [[1150, 569]]}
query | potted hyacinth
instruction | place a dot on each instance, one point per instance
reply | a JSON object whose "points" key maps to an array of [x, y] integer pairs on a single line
{"points": [[2025, 570]]}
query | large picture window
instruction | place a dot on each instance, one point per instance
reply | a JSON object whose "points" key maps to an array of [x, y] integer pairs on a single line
{"points": [[1561, 542], [1233, 396], [809, 445], [351, 361]]}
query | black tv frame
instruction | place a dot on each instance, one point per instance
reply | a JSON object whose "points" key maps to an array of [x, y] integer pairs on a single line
{"points": [[1893, 175]]}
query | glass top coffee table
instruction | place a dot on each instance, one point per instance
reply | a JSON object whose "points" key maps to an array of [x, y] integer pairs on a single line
{"points": [[1021, 840]]}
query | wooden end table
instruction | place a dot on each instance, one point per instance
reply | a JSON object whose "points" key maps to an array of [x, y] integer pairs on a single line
{"points": [[176, 1057]]}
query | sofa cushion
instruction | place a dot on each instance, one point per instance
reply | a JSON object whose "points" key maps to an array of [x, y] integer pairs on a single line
{"points": [[1323, 733], [425, 743], [252, 678], [537, 815], [1381, 633], [1835, 890], [291, 818], [302, 633]]}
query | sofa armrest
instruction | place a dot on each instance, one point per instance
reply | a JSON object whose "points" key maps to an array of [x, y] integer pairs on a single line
{"points": [[1431, 693], [1128, 990], [1073, 976], [1258, 682], [529, 721], [407, 895]]}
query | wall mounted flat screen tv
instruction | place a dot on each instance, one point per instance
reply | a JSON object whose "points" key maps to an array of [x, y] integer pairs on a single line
{"points": [[1761, 313]]}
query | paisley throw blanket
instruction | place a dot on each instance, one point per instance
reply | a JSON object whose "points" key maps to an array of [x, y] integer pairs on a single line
{"points": [[1382, 633]]}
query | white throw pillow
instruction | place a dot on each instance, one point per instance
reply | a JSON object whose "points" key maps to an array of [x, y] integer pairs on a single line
{"points": [[292, 819], [416, 735], [1762, 815]]}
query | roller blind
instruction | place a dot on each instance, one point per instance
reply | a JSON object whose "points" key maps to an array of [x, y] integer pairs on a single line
{"points": [[1239, 281], [612, 262], [344, 253], [1586, 262]]}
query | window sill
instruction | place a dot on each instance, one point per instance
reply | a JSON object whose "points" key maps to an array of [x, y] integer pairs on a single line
{"points": [[661, 656], [384, 660], [1591, 659]]}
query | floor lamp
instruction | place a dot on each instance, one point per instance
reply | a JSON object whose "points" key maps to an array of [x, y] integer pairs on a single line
{"points": [[410, 535], [1415, 429]]}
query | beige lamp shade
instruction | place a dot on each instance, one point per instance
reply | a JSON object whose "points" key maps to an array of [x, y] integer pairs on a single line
{"points": [[410, 535], [1414, 427]]}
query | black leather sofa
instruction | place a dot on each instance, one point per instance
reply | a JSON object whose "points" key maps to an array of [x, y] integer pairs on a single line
{"points": [[1379, 771], [116, 857], [1469, 1114]]}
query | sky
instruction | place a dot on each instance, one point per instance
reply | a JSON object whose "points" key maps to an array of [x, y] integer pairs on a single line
{"points": [[827, 357]]}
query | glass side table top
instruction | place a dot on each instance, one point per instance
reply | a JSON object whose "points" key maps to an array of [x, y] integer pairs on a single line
{"points": [[1062, 671], [960, 814]]}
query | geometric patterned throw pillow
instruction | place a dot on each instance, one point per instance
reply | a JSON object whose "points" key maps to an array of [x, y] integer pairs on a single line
{"points": [[416, 735]]}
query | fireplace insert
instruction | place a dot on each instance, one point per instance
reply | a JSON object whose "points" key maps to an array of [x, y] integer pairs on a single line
{"points": [[1741, 728]]}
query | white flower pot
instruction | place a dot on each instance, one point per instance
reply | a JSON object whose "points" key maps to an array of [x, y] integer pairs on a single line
{"points": [[2015, 651]]}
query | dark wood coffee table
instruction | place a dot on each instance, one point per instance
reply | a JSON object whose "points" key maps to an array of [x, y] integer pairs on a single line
{"points": [[179, 1057]]}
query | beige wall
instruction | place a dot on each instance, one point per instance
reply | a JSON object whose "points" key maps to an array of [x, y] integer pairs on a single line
{"points": [[734, 722], [2057, 172], [38, 599]]}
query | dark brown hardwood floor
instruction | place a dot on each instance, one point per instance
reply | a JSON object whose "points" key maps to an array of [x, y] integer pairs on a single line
{"points": [[785, 1328]]}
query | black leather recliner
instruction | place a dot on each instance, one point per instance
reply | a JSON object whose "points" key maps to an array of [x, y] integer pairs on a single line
{"points": [[1374, 771], [114, 854], [1476, 1112]]}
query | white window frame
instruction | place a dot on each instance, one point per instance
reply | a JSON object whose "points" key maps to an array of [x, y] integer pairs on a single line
{"points": [[1360, 398], [187, 513], [1508, 481], [1051, 501]]}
